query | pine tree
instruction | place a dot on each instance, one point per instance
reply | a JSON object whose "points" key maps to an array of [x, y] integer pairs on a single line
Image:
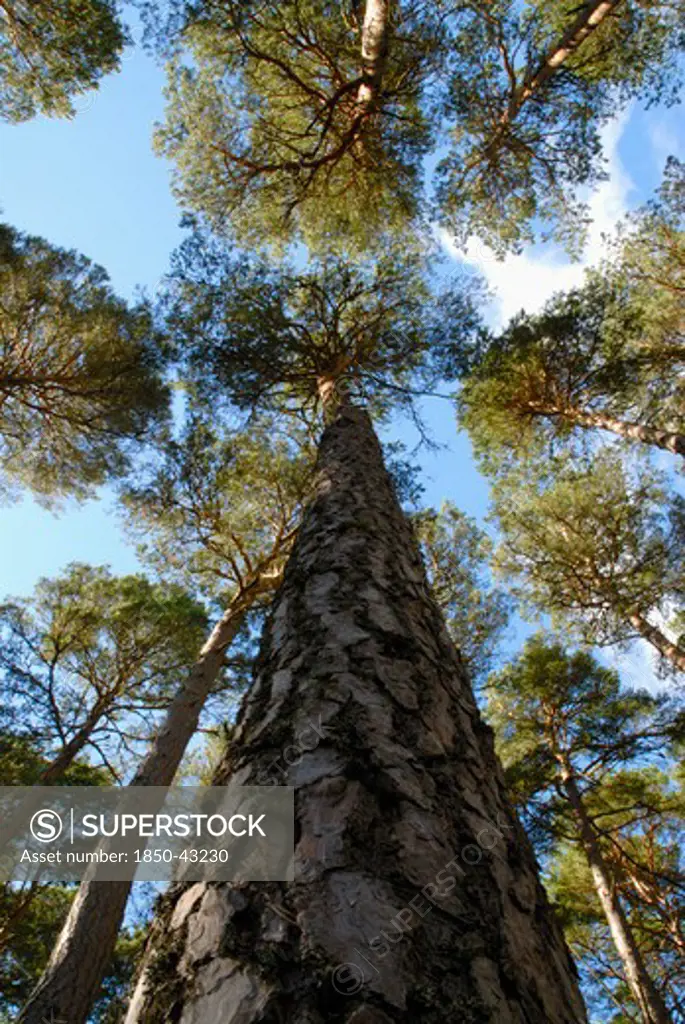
{"points": [[52, 52], [309, 119], [605, 356], [404, 754], [80, 371], [566, 718], [89, 658], [597, 545]]}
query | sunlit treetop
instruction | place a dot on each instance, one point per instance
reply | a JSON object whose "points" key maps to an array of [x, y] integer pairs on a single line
{"points": [[530, 86], [319, 121], [52, 51], [649, 262], [80, 370], [284, 339], [300, 116], [607, 355]]}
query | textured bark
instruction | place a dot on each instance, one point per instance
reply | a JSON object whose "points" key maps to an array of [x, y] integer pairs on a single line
{"points": [[652, 1008], [71, 981], [402, 790], [672, 652]]}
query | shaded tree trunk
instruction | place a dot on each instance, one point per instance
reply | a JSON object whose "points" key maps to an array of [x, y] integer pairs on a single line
{"points": [[70, 751], [71, 981], [672, 652], [416, 896], [649, 1001]]}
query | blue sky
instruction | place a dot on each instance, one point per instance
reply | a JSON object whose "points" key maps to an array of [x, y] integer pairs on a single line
{"points": [[94, 184]]}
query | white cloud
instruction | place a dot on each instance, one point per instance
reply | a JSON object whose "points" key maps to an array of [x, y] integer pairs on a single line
{"points": [[637, 666], [665, 138], [527, 281]]}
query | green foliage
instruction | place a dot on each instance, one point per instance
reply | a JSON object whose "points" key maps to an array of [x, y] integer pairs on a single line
{"points": [[547, 375], [267, 123], [79, 370], [219, 506], [30, 921], [654, 924], [457, 555], [267, 338], [22, 762], [592, 545], [32, 918], [523, 142], [87, 660], [649, 262], [290, 122], [612, 348], [54, 50]]}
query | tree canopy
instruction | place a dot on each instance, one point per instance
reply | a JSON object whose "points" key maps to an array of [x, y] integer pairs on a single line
{"points": [[90, 657], [283, 339], [314, 120], [593, 767], [80, 370], [596, 546], [608, 355], [53, 50]]}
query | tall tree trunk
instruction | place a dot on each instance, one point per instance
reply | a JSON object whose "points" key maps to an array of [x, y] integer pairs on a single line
{"points": [[672, 652], [416, 896], [650, 1003], [669, 440], [72, 978]]}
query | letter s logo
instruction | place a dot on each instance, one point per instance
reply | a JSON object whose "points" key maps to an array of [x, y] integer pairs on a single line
{"points": [[46, 826]]}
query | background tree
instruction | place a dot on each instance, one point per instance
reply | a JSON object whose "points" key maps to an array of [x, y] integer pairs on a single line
{"points": [[575, 365], [457, 555], [530, 86], [321, 121], [649, 260], [596, 546], [80, 371], [653, 906], [89, 660], [54, 50], [570, 740], [608, 355]]}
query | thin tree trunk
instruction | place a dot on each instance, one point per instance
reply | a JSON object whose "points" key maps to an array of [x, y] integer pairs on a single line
{"points": [[589, 19], [669, 440], [70, 751], [72, 978], [672, 652], [649, 1001], [416, 896]]}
